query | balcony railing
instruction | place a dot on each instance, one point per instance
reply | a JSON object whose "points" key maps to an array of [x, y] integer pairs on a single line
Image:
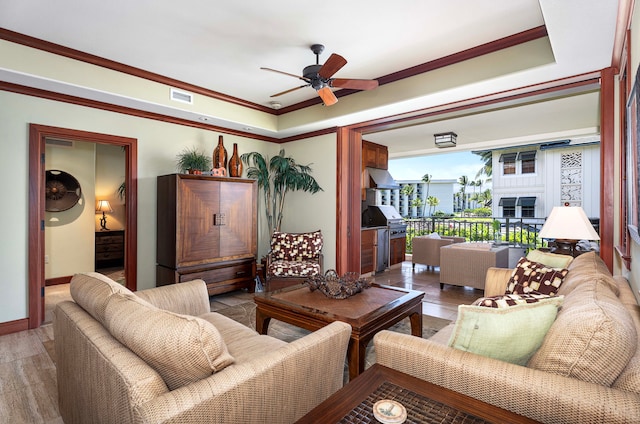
{"points": [[522, 232]]}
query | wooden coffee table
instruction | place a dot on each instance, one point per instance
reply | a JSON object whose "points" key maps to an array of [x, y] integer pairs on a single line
{"points": [[374, 309], [424, 402]]}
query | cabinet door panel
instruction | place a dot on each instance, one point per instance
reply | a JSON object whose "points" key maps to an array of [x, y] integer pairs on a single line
{"points": [[238, 205], [199, 234]]}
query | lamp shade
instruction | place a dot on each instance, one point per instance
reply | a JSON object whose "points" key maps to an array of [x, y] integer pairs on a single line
{"points": [[103, 206], [568, 223]]}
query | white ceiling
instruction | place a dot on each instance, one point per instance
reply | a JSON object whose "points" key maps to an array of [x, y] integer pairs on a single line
{"points": [[220, 45]]}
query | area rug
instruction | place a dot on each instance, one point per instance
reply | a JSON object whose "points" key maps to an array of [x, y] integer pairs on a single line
{"points": [[245, 313]]}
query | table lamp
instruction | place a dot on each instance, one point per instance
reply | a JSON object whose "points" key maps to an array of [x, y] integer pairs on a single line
{"points": [[568, 225], [103, 206]]}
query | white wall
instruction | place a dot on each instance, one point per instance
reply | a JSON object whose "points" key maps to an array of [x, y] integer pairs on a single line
{"points": [[158, 145]]}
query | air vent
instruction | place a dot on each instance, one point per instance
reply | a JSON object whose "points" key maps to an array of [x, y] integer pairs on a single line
{"points": [[181, 96], [58, 143]]}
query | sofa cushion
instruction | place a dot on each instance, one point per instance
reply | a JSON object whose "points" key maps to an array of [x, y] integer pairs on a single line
{"points": [[507, 300], [585, 267], [296, 246], [629, 378], [552, 260], [533, 277], [181, 348], [509, 334], [92, 290], [593, 337]]}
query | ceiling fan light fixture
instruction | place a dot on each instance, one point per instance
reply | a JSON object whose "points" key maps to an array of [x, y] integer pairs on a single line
{"points": [[447, 139]]}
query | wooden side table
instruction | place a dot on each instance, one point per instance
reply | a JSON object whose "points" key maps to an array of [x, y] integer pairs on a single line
{"points": [[109, 247], [424, 402]]}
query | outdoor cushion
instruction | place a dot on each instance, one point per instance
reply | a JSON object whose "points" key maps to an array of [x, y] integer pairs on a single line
{"points": [[529, 277], [293, 269], [434, 235], [182, 349], [509, 334]]}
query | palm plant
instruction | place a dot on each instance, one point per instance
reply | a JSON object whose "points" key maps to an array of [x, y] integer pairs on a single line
{"points": [[426, 178], [276, 177], [464, 182]]}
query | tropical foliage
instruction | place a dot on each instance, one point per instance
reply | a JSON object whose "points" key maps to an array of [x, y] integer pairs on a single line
{"points": [[276, 177]]}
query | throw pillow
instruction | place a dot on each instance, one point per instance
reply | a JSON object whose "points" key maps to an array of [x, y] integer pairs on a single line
{"points": [[508, 334], [181, 348], [507, 300], [91, 291], [552, 260], [434, 236], [530, 277]]}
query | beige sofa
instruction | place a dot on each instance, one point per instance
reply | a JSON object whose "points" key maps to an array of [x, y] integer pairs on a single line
{"points": [[425, 250], [185, 370], [466, 264], [586, 371]]}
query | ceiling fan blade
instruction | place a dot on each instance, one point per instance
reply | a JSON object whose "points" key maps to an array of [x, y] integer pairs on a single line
{"points": [[356, 84], [289, 91], [286, 73], [327, 96], [332, 65]]}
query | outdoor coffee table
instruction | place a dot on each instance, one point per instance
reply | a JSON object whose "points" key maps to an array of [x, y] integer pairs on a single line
{"points": [[374, 309], [425, 402]]}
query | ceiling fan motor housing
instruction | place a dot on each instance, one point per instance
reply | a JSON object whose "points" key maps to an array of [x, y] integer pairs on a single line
{"points": [[311, 73]]}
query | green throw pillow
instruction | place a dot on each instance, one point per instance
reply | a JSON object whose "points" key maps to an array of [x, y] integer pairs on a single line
{"points": [[552, 260], [510, 334]]}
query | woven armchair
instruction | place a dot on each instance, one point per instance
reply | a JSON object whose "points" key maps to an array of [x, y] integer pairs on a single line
{"points": [[293, 258], [426, 250], [466, 264]]}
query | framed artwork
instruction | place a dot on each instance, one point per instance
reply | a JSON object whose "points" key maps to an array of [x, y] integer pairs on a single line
{"points": [[632, 164]]}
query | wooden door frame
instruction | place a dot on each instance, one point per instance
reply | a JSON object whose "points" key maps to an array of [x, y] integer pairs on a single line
{"points": [[37, 136]]}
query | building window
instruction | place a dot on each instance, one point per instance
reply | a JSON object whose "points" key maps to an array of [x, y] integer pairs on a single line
{"points": [[527, 207], [508, 163], [508, 207], [528, 162]]}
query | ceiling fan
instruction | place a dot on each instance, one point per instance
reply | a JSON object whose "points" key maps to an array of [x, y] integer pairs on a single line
{"points": [[319, 77]]}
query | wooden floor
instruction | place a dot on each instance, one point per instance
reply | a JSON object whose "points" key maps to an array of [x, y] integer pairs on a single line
{"points": [[28, 392]]}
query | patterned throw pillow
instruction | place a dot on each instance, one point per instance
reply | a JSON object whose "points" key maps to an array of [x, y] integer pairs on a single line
{"points": [[530, 277], [296, 246], [504, 301]]}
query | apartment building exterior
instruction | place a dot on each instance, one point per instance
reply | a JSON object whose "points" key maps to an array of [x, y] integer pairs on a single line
{"points": [[443, 190], [528, 181]]}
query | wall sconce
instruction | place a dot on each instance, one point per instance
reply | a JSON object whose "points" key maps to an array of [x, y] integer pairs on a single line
{"points": [[447, 139], [567, 225], [103, 206]]}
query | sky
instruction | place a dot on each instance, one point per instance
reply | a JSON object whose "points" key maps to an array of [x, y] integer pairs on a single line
{"points": [[448, 166]]}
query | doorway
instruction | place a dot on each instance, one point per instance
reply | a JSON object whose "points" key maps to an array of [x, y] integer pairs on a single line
{"points": [[37, 138]]}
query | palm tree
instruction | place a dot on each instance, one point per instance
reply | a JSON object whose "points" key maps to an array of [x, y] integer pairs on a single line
{"points": [[426, 178], [487, 168], [464, 182], [281, 175], [433, 202], [417, 203]]}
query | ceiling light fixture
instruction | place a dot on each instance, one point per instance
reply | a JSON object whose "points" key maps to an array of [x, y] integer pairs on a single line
{"points": [[276, 105], [447, 139]]}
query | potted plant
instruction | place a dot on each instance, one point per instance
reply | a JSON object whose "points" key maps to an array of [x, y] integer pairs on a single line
{"points": [[193, 161], [276, 177]]}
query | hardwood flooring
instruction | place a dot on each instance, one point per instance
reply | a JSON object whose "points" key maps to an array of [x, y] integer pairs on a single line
{"points": [[28, 391]]}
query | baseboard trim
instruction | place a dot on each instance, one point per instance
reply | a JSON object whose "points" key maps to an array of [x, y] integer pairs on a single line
{"points": [[16, 326], [57, 280]]}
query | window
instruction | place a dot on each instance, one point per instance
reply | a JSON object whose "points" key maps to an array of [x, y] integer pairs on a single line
{"points": [[528, 162], [508, 206], [508, 163], [527, 206]]}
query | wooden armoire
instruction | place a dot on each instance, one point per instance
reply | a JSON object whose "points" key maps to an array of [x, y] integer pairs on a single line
{"points": [[207, 228]]}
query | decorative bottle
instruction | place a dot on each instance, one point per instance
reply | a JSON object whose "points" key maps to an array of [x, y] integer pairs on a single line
{"points": [[235, 164], [220, 155]]}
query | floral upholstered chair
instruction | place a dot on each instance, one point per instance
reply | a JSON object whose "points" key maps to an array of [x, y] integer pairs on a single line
{"points": [[293, 258]]}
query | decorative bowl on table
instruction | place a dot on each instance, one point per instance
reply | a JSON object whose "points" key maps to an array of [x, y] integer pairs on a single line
{"points": [[336, 287]]}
